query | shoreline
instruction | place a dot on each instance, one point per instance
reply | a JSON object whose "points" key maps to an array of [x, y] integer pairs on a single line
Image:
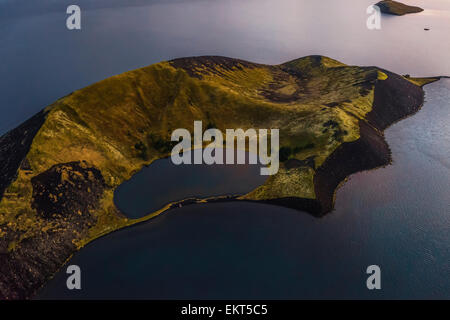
{"points": [[303, 204]]}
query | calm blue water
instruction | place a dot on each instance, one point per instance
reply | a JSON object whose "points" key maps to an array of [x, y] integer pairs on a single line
{"points": [[397, 217]]}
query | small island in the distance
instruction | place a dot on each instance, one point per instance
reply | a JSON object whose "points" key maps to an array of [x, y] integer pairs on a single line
{"points": [[61, 167], [397, 8]]}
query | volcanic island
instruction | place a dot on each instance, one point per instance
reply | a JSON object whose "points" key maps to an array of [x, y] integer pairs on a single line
{"points": [[60, 168]]}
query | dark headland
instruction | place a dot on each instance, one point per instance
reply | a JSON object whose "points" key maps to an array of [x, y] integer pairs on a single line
{"points": [[397, 8], [61, 167]]}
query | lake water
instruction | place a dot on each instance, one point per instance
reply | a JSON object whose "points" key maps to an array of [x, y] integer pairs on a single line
{"points": [[164, 182], [396, 217]]}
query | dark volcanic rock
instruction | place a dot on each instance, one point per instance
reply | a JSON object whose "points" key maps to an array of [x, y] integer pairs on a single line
{"points": [[295, 163], [368, 152], [67, 188], [394, 99]]}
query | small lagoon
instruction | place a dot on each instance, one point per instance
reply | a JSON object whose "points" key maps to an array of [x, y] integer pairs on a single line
{"points": [[163, 182]]}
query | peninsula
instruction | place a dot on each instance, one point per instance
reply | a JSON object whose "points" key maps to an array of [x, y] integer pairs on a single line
{"points": [[60, 168]]}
